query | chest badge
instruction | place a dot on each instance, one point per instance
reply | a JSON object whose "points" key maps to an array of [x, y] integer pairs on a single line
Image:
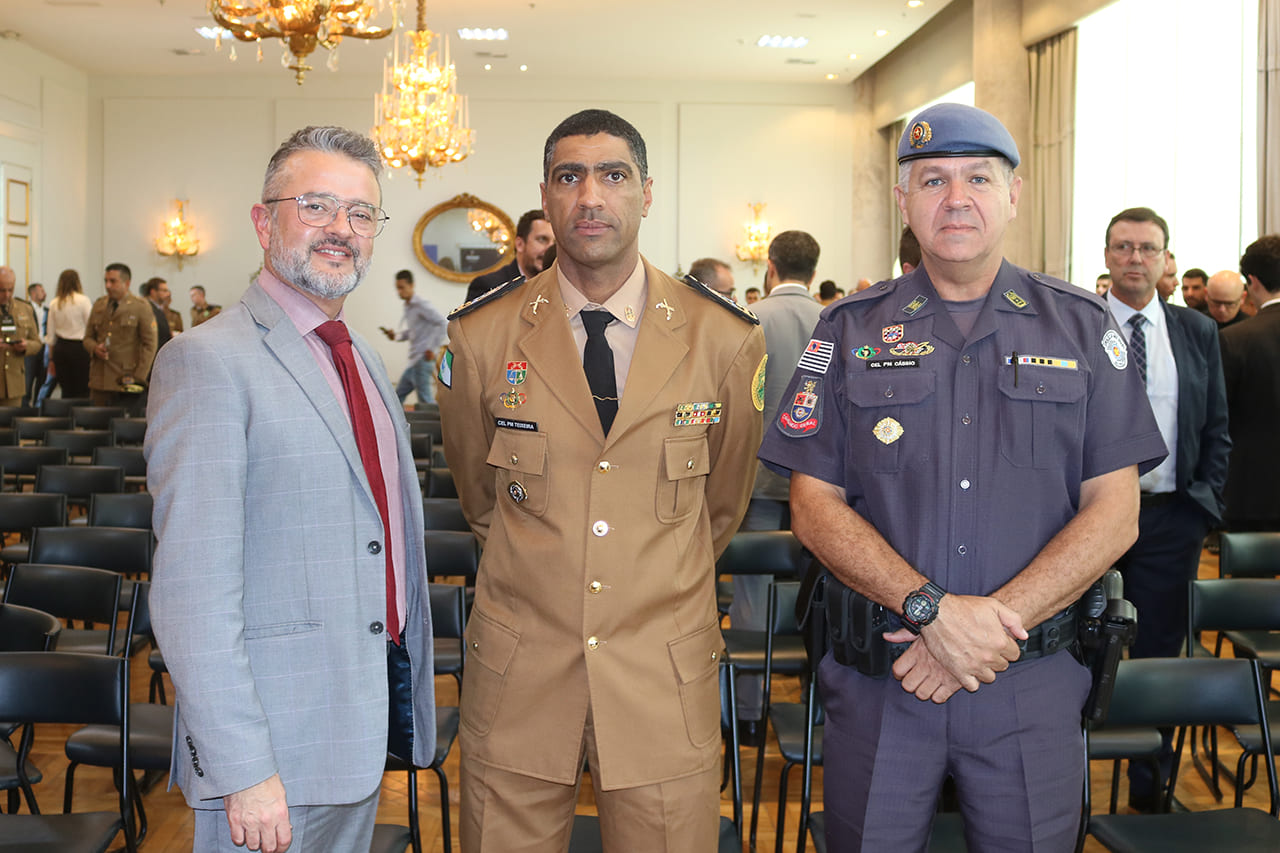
{"points": [[909, 349], [866, 353], [513, 399], [517, 371], [1117, 350], [517, 491], [887, 431], [697, 414], [891, 334]]}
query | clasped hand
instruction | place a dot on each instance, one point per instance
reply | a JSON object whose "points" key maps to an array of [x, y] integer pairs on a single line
{"points": [[972, 639]]}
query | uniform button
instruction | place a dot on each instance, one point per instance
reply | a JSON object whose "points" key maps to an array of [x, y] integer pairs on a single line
{"points": [[593, 643], [884, 287], [966, 420], [966, 358], [964, 484], [715, 655], [961, 550], [375, 547], [600, 528], [689, 465], [375, 627], [475, 645], [603, 467], [1040, 389], [514, 459], [888, 392], [595, 586]]}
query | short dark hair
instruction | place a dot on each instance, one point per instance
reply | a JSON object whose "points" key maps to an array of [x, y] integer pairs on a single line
{"points": [[199, 287], [752, 289], [1139, 214], [909, 247], [1105, 275], [1196, 272], [149, 285], [406, 275], [827, 290], [794, 255], [591, 122], [1262, 260], [124, 270], [32, 286], [707, 271], [525, 225]]}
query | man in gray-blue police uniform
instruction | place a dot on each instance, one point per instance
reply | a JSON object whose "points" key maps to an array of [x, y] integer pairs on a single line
{"points": [[964, 445]]}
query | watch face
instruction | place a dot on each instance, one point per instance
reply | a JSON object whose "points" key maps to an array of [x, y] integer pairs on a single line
{"points": [[919, 607]]}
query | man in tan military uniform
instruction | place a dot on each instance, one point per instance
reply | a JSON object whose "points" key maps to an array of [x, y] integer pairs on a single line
{"points": [[19, 335], [121, 338], [602, 510], [201, 309]]}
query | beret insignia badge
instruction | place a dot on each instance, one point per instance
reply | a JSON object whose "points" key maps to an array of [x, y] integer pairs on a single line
{"points": [[921, 133]]}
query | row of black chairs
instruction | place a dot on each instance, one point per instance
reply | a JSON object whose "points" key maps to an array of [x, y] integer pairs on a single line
{"points": [[124, 430]]}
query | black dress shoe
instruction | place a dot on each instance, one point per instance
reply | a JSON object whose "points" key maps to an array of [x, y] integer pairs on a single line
{"points": [[750, 732]]}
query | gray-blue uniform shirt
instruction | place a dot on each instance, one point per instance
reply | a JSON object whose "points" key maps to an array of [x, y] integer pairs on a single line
{"points": [[967, 454]]}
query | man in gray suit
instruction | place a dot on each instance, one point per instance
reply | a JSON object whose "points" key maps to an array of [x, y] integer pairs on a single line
{"points": [[290, 578], [787, 314]]}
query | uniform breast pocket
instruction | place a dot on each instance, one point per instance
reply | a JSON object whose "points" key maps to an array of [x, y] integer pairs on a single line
{"points": [[520, 460], [888, 415], [1041, 416], [686, 461]]}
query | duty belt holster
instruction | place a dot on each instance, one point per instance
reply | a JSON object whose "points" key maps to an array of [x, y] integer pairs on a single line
{"points": [[1108, 625]]}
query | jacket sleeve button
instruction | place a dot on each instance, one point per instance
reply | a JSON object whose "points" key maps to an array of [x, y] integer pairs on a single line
{"points": [[375, 627], [375, 547]]}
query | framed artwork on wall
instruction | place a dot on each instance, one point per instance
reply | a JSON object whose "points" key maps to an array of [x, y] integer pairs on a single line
{"points": [[17, 202]]}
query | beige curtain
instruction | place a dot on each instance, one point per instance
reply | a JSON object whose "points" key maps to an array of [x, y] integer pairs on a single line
{"points": [[1269, 116], [1052, 155]]}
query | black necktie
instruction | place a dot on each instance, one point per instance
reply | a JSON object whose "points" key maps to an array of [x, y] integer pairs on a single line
{"points": [[1138, 344], [597, 363]]}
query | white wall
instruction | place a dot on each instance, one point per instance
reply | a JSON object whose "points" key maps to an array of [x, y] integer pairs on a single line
{"points": [[43, 118], [712, 149]]}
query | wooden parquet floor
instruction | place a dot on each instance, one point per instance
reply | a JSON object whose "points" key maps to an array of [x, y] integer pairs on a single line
{"points": [[171, 822]]}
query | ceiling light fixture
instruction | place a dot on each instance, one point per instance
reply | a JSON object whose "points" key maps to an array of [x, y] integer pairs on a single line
{"points": [[881, 33], [419, 118], [479, 34], [781, 41], [302, 25]]}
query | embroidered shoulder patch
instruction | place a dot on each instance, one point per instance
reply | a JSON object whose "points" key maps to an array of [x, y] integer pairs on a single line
{"points": [[817, 356], [757, 385], [802, 416], [1116, 349]]}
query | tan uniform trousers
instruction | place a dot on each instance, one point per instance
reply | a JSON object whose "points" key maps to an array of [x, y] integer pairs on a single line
{"points": [[505, 812]]}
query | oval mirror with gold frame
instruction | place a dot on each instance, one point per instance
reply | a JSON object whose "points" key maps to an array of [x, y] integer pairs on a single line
{"points": [[464, 237]]}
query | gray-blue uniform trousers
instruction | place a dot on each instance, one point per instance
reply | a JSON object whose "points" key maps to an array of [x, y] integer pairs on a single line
{"points": [[986, 470]]}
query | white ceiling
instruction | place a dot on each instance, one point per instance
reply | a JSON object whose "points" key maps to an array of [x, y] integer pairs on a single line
{"points": [[669, 39]]}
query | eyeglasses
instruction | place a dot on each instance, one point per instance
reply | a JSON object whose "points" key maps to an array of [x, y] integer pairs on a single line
{"points": [[320, 209], [1124, 250]]}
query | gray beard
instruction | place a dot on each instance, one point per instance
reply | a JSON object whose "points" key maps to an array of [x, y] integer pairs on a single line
{"points": [[294, 267]]}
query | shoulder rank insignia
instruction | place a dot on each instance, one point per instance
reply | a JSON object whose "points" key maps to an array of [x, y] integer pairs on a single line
{"points": [[703, 290], [487, 297], [914, 305]]}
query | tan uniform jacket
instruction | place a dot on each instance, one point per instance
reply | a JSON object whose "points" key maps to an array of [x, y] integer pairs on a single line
{"points": [[208, 312], [596, 590], [132, 327], [13, 363], [175, 320]]}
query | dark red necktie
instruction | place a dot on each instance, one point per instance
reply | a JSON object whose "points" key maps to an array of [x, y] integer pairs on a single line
{"points": [[334, 333]]}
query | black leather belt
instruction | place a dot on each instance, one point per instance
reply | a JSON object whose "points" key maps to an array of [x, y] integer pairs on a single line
{"points": [[1153, 499]]}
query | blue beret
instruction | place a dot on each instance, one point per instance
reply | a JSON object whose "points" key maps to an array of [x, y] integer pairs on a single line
{"points": [[956, 130]]}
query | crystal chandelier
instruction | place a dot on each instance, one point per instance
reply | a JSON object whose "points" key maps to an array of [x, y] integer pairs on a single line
{"points": [[301, 25], [419, 118]]}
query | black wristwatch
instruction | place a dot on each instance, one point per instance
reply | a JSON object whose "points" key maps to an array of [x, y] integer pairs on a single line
{"points": [[921, 607]]}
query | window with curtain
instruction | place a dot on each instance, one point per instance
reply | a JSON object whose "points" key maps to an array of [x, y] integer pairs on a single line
{"points": [[1166, 117]]}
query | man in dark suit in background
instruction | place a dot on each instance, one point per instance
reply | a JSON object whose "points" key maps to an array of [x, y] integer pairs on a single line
{"points": [[1251, 365], [1176, 351], [533, 237]]}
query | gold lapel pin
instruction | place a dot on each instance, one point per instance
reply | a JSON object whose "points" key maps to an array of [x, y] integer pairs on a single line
{"points": [[541, 300], [665, 307]]}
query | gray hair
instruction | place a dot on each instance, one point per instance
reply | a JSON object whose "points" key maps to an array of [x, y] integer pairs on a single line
{"points": [[331, 140], [904, 172]]}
